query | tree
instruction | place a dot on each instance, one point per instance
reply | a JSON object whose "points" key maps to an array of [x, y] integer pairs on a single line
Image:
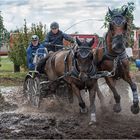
{"points": [[1, 28], [40, 30], [18, 51], [4, 34], [129, 18]]}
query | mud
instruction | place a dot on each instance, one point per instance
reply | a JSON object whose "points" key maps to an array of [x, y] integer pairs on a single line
{"points": [[57, 119]]}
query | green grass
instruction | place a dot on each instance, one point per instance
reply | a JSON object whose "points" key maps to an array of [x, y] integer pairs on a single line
{"points": [[12, 75], [7, 69], [6, 64]]}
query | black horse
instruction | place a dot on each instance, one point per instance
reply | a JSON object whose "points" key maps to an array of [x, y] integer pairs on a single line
{"points": [[76, 66]]}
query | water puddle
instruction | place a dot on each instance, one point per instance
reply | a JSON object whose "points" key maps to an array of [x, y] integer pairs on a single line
{"points": [[7, 90]]}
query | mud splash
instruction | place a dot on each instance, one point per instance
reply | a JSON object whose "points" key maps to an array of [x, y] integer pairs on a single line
{"points": [[60, 120]]}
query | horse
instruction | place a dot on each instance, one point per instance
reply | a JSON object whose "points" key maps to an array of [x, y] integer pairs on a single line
{"points": [[76, 66], [112, 57]]}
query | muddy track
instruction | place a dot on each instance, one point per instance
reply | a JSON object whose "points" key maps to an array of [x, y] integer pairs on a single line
{"points": [[59, 120]]}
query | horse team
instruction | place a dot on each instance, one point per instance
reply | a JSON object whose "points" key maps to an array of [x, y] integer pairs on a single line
{"points": [[81, 66]]}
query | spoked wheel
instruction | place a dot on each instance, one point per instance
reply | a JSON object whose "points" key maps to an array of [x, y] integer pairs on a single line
{"points": [[27, 89], [36, 97]]}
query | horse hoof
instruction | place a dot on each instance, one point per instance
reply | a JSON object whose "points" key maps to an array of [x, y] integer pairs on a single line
{"points": [[83, 110], [135, 109], [117, 108]]}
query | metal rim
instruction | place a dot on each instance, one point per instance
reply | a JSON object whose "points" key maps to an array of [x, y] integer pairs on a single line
{"points": [[36, 92], [27, 89]]}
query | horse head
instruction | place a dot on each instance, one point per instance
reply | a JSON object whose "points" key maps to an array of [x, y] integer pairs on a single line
{"points": [[84, 59], [117, 29]]}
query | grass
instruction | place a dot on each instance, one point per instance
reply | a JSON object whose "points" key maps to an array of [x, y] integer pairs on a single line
{"points": [[6, 64], [7, 68], [12, 75]]}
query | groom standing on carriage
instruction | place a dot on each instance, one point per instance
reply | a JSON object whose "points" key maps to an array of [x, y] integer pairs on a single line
{"points": [[31, 51]]}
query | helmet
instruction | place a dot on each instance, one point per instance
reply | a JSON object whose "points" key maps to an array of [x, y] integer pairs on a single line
{"points": [[34, 38], [54, 25]]}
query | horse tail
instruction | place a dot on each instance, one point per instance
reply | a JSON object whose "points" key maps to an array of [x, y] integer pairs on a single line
{"points": [[41, 65]]}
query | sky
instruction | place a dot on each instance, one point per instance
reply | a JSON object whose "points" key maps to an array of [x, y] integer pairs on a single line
{"points": [[83, 16]]}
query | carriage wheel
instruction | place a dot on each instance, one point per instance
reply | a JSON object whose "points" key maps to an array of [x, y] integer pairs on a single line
{"points": [[36, 98], [28, 89]]}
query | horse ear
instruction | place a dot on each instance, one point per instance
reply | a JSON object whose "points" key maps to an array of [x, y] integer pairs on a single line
{"points": [[110, 12], [125, 11], [78, 41], [91, 42]]}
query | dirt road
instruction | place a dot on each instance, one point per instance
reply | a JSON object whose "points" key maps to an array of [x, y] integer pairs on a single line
{"points": [[56, 119]]}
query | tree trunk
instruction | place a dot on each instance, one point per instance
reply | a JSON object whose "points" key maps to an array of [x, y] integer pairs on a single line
{"points": [[16, 68]]}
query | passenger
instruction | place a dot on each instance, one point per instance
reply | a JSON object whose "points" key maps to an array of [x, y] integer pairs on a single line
{"points": [[55, 37], [31, 50]]}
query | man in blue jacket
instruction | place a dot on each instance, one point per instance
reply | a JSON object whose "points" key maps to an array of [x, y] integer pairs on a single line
{"points": [[31, 50], [55, 37]]}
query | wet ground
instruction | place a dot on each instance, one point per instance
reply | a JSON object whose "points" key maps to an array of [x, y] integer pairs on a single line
{"points": [[61, 120]]}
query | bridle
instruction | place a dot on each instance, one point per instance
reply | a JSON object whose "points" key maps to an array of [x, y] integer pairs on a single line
{"points": [[85, 55]]}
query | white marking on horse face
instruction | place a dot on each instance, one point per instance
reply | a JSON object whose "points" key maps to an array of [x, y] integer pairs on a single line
{"points": [[93, 117]]}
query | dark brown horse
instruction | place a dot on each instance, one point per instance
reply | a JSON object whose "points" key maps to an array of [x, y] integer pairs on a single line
{"points": [[113, 58], [76, 66]]}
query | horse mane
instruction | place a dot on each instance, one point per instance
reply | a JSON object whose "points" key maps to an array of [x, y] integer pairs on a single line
{"points": [[108, 40]]}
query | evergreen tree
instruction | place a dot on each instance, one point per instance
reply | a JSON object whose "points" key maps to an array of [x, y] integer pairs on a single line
{"points": [[4, 35], [1, 29]]}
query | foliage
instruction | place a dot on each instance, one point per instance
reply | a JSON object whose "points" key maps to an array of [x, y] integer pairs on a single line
{"points": [[129, 17], [39, 30], [21, 40], [4, 34], [17, 52]]}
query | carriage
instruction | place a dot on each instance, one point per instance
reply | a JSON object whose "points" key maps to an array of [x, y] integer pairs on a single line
{"points": [[37, 86]]}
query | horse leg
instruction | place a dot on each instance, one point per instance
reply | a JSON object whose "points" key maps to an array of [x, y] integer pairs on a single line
{"points": [[101, 97], [111, 83], [83, 108], [135, 106], [92, 95]]}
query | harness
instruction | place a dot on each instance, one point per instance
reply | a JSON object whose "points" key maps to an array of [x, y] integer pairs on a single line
{"points": [[75, 72], [116, 58], [109, 56]]}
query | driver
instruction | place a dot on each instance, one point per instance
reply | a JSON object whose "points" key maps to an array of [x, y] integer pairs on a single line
{"points": [[55, 37]]}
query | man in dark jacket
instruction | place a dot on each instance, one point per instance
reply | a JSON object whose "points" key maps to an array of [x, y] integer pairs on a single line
{"points": [[31, 51], [55, 37]]}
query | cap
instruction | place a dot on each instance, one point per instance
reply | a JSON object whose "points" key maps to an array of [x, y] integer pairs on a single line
{"points": [[54, 25], [34, 38]]}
